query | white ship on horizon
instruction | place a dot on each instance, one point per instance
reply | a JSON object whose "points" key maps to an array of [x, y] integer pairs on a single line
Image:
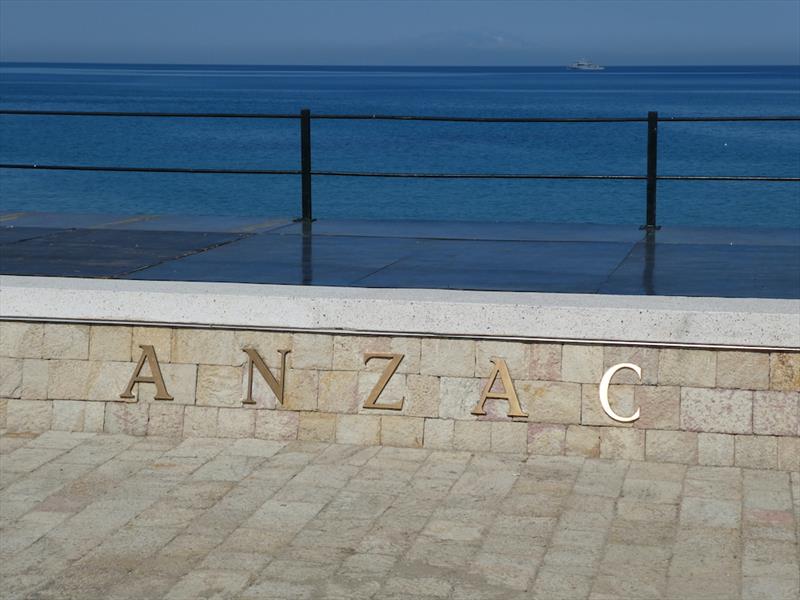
{"points": [[585, 65]]}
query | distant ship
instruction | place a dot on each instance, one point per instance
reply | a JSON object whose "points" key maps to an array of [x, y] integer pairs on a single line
{"points": [[585, 65]]}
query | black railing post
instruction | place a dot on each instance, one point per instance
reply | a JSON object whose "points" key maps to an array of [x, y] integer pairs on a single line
{"points": [[652, 170], [305, 164]]}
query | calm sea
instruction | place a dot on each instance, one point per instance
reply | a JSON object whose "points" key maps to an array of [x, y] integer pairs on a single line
{"points": [[684, 148]]}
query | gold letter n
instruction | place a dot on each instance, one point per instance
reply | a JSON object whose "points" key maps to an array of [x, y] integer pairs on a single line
{"points": [[149, 355], [508, 394], [253, 358]]}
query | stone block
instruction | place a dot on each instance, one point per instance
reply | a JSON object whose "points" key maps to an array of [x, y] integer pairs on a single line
{"points": [[448, 357], [756, 452], [181, 382], [406, 432], [551, 402], [338, 392], [784, 371], [474, 436], [94, 416], [206, 347], [546, 439], [219, 386], [110, 343], [438, 434], [742, 370], [716, 411], [317, 427], [21, 340], [645, 358], [458, 396], [29, 416], [776, 413], [266, 343], [236, 422], [620, 398], [105, 381], [34, 378], [544, 362], [300, 392], [358, 429], [160, 338], [695, 368], [789, 453], [671, 446], [507, 436], [11, 377], [422, 396], [715, 449], [165, 419], [581, 364], [622, 443], [68, 415], [312, 351], [411, 349], [514, 353], [349, 352], [3, 413], [68, 379], [276, 424], [659, 406], [66, 341], [200, 421], [582, 441], [393, 393], [126, 417]]}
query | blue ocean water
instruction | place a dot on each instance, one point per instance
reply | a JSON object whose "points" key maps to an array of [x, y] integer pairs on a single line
{"points": [[684, 148]]}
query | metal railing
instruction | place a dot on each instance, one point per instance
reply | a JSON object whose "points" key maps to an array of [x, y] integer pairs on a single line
{"points": [[306, 172]]}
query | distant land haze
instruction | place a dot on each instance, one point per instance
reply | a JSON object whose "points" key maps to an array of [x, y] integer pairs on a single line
{"points": [[403, 32]]}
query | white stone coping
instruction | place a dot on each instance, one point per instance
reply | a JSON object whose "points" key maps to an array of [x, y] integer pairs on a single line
{"points": [[647, 320]]}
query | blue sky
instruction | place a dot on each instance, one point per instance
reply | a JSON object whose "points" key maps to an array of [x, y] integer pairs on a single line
{"points": [[635, 32]]}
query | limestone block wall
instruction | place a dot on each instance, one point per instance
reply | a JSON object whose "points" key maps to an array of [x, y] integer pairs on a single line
{"points": [[696, 406]]}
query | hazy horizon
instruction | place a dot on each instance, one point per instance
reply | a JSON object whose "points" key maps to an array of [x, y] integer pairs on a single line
{"points": [[403, 33], [384, 66]]}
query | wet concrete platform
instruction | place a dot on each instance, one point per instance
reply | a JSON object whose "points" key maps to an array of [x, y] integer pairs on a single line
{"points": [[568, 258]]}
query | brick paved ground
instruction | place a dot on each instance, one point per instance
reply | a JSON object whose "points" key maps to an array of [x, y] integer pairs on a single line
{"points": [[110, 516]]}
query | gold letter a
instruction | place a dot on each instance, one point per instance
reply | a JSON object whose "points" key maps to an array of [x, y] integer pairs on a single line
{"points": [[508, 394], [149, 355]]}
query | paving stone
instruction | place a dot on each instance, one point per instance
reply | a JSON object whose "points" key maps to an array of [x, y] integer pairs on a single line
{"points": [[117, 516]]}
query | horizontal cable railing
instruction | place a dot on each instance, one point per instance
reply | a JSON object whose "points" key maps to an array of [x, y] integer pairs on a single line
{"points": [[306, 172]]}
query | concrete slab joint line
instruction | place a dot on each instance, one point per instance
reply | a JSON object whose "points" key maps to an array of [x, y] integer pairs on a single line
{"points": [[94, 515], [653, 320]]}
